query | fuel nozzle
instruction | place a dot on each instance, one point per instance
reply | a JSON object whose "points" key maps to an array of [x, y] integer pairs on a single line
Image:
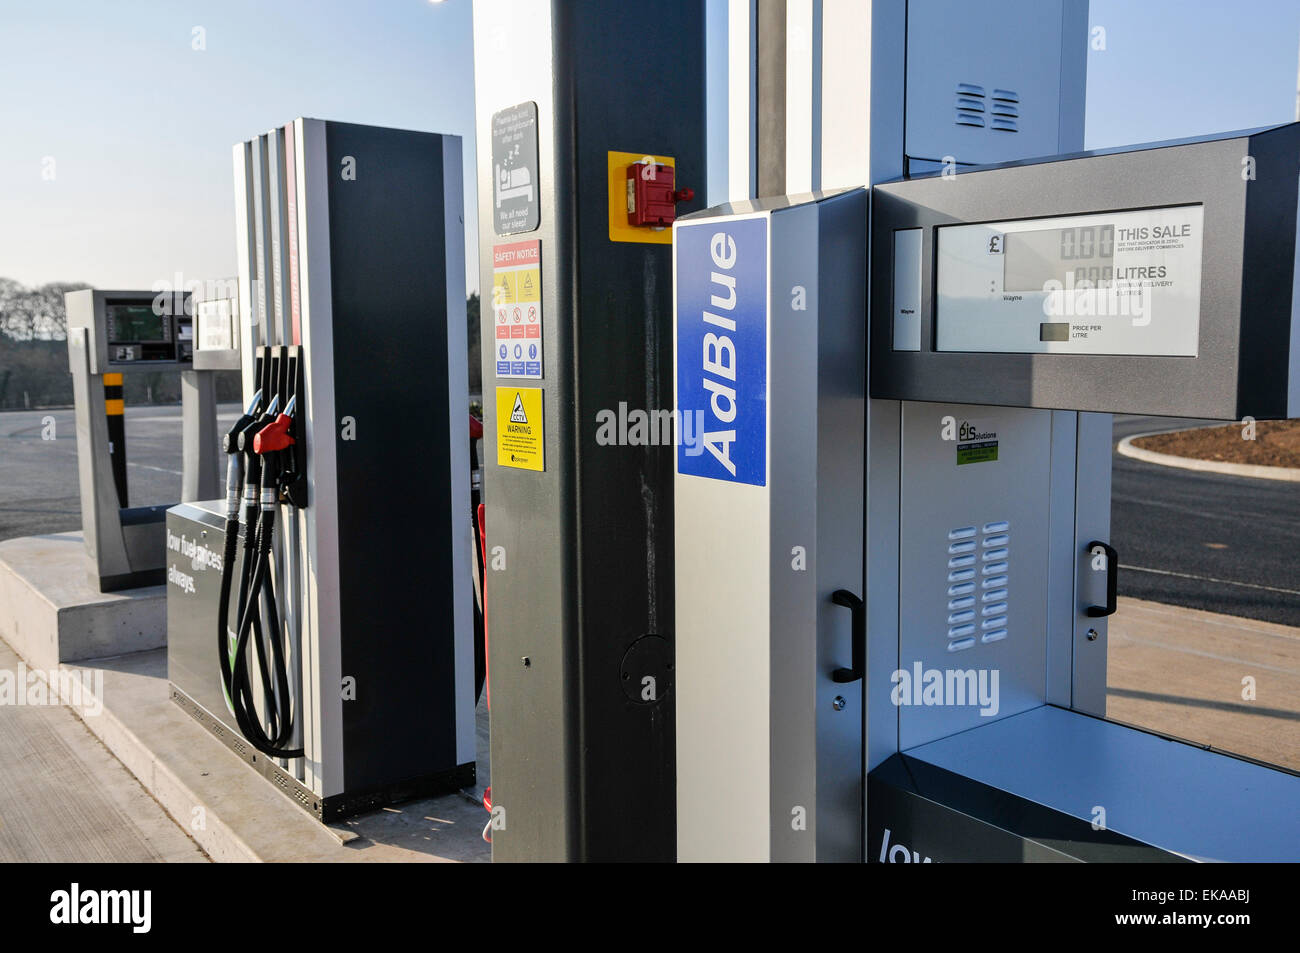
{"points": [[235, 461], [248, 435], [275, 436], [230, 442], [272, 443]]}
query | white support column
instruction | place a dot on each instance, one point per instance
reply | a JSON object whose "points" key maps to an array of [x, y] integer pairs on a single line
{"points": [[741, 99], [803, 110], [249, 307], [845, 93]]}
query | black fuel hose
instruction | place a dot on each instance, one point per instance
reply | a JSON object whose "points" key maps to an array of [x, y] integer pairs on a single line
{"points": [[234, 475], [234, 483], [252, 537], [257, 604]]}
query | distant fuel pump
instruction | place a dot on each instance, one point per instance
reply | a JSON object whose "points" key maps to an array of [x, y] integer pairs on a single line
{"points": [[112, 335]]}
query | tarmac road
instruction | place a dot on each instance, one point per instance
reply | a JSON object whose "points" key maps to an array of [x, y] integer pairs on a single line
{"points": [[1201, 540], [38, 476]]}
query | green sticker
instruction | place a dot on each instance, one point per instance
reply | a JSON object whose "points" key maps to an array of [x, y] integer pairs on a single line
{"points": [[977, 452]]}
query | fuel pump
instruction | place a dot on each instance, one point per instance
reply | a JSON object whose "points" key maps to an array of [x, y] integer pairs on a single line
{"points": [[112, 334], [343, 609]]}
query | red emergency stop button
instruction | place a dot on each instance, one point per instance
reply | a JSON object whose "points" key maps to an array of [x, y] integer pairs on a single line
{"points": [[652, 195]]}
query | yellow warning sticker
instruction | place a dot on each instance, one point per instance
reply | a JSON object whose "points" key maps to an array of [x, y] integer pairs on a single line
{"points": [[530, 284], [519, 428], [502, 289]]}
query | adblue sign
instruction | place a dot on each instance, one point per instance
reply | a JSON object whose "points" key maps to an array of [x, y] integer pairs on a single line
{"points": [[721, 293]]}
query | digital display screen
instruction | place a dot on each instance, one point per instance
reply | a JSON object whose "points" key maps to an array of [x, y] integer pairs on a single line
{"points": [[1121, 282], [1031, 259], [130, 323]]}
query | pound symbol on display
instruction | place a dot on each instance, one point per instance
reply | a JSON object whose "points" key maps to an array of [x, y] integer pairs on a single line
{"points": [[995, 245]]}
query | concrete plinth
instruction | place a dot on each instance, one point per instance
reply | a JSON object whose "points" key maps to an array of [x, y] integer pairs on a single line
{"points": [[50, 612]]}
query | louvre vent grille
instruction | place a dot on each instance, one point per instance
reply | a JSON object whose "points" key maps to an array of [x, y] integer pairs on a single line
{"points": [[977, 584], [976, 106]]}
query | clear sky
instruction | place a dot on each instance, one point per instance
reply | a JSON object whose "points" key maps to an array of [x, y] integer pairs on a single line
{"points": [[140, 124], [1175, 68]]}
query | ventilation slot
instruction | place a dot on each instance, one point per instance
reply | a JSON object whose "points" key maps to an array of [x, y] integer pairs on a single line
{"points": [[1005, 110], [970, 105], [978, 615], [995, 542]]}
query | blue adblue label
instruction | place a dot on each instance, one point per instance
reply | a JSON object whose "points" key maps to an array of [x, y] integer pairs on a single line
{"points": [[721, 269]]}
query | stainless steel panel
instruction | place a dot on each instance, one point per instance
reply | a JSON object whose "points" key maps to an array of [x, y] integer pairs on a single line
{"points": [[984, 525], [983, 80], [1198, 803]]}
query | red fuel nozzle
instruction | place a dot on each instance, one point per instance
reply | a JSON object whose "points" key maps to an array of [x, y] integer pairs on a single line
{"points": [[274, 436]]}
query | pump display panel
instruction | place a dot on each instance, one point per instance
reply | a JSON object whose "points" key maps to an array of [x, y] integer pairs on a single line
{"points": [[1115, 283], [143, 332], [1161, 279], [133, 323]]}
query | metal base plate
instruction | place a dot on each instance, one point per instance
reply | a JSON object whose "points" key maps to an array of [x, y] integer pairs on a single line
{"points": [[336, 806]]}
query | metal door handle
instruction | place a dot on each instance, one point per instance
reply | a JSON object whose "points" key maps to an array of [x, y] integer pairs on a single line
{"points": [[1112, 580], [842, 597]]}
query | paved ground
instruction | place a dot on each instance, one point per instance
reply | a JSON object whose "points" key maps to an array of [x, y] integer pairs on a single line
{"points": [[38, 477], [1180, 672], [65, 798], [45, 786], [1205, 540]]}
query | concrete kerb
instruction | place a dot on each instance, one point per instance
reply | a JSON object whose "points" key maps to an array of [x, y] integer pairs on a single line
{"points": [[217, 840], [1252, 470], [224, 783]]}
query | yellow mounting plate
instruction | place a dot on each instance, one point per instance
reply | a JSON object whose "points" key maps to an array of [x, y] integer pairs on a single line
{"points": [[619, 229]]}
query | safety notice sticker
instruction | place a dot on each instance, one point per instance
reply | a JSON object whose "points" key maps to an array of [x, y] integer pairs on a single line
{"points": [[517, 309], [519, 428]]}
